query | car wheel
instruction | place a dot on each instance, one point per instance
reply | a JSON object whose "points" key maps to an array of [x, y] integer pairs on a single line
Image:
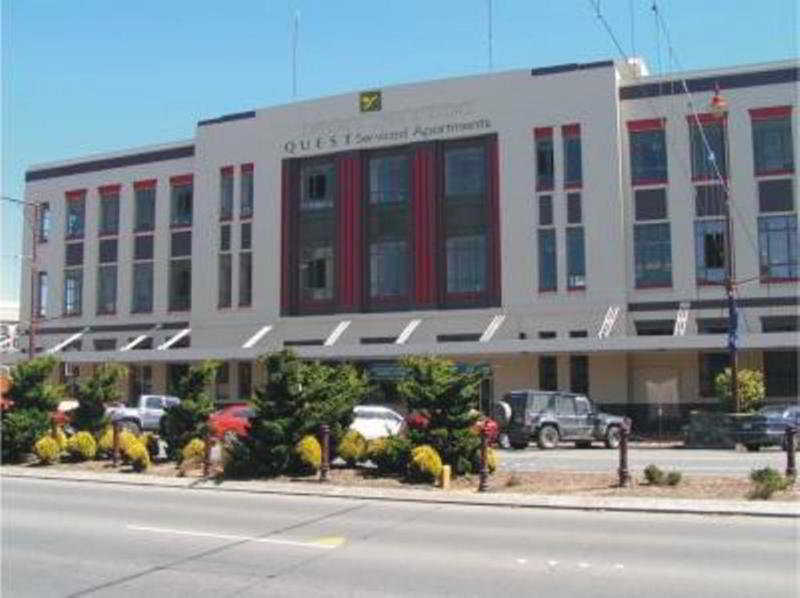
{"points": [[583, 444], [613, 437], [131, 426], [752, 448], [547, 437]]}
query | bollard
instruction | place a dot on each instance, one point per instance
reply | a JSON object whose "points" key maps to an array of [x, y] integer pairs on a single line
{"points": [[115, 444], [624, 474], [446, 471], [325, 465], [791, 468], [483, 484], [207, 454]]}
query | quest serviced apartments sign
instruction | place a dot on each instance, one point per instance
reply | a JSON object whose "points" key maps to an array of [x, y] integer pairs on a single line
{"points": [[402, 126]]}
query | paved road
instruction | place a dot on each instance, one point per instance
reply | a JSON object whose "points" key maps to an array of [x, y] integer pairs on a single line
{"points": [[85, 539], [716, 462]]}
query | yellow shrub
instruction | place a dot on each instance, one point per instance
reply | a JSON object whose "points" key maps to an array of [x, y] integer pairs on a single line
{"points": [[138, 455], [47, 450], [195, 449], [425, 464], [105, 445], [82, 446], [61, 439], [375, 447], [491, 460], [353, 447], [309, 454], [150, 441], [126, 438]]}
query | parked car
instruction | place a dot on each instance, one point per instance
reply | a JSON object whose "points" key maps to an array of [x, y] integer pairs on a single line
{"points": [[767, 427], [143, 412], [375, 421], [549, 417], [232, 421]]}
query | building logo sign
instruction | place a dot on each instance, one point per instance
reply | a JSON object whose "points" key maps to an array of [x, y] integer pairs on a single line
{"points": [[370, 101]]}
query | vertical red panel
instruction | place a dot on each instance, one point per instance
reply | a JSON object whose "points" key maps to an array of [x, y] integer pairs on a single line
{"points": [[494, 215], [286, 219], [349, 258], [424, 218]]}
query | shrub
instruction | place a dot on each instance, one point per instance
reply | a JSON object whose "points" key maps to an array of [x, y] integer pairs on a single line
{"points": [[195, 450], [751, 390], [767, 482], [353, 447], [105, 444], [61, 439], [47, 450], [137, 454], [126, 440], [425, 464], [82, 446], [491, 460], [391, 454], [20, 430], [237, 460], [674, 478], [654, 475], [308, 455], [94, 393]]}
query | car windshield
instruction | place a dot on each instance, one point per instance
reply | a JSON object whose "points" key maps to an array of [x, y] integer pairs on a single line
{"points": [[374, 414]]}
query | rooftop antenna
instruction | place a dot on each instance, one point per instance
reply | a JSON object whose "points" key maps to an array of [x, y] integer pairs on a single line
{"points": [[295, 35], [491, 61]]}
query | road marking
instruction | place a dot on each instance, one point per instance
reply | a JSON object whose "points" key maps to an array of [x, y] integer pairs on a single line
{"points": [[326, 542]]}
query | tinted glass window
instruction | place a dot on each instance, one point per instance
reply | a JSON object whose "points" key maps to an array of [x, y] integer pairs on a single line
{"points": [[574, 215], [709, 200], [143, 247], [153, 403], [565, 406], [108, 250], [545, 210], [651, 204], [648, 156], [181, 244], [775, 196]]}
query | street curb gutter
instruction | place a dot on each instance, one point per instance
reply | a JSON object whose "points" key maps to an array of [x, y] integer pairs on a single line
{"points": [[507, 500]]}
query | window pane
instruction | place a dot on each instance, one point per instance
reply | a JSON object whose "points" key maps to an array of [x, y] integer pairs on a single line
{"points": [[547, 260], [41, 294], [181, 205], [709, 200], [389, 179], [245, 379], [572, 160], [74, 254], [181, 244], [388, 269], [574, 215], [544, 163], [652, 255], [548, 373], [579, 376], [245, 279], [246, 237], [247, 193], [772, 145], [106, 289], [142, 287], [651, 204], [648, 156], [465, 171], [225, 237], [466, 264], [180, 285], [73, 291], [545, 210], [226, 194], [143, 247], [145, 200], [317, 186], [316, 231], [109, 214], [76, 217], [108, 251], [225, 274], [702, 161], [780, 374], [44, 222], [709, 244], [775, 196], [576, 259], [316, 272], [777, 240]]}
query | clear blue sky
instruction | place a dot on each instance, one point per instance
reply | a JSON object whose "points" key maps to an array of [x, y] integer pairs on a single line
{"points": [[90, 76]]}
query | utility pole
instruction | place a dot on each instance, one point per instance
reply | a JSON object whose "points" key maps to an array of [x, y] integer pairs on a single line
{"points": [[34, 274]]}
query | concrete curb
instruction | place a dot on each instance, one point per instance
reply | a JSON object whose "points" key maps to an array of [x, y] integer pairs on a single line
{"points": [[461, 498]]}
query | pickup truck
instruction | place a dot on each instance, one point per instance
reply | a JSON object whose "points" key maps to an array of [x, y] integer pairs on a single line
{"points": [[143, 412], [551, 417]]}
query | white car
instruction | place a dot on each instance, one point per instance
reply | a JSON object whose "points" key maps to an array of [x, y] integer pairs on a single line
{"points": [[143, 412], [374, 421]]}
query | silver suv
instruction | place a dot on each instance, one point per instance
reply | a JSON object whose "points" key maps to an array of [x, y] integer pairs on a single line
{"points": [[143, 412]]}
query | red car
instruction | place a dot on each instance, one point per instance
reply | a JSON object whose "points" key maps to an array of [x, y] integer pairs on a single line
{"points": [[232, 421]]}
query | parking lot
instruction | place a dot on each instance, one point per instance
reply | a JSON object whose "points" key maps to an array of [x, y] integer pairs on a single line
{"points": [[599, 459]]}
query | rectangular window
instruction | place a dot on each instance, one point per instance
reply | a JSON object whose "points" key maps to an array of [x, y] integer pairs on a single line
{"points": [[652, 251], [76, 215], [225, 278], [712, 325], [180, 285], [44, 222], [225, 237], [141, 380], [573, 171], [772, 140], [143, 247], [246, 239], [73, 291], [708, 165], [651, 204], [106, 289], [109, 214], [709, 200], [709, 247], [711, 365], [648, 149], [547, 260], [466, 264], [245, 379], [181, 244], [107, 251], [226, 193], [73, 255], [316, 231], [181, 202], [579, 373], [548, 372], [544, 158], [775, 195], [388, 269], [41, 294], [576, 258], [545, 210], [574, 212], [780, 323], [247, 192], [245, 279], [777, 242], [105, 344], [780, 374], [142, 288], [144, 205], [654, 327]]}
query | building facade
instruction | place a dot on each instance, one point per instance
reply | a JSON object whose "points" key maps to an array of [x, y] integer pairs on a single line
{"points": [[562, 226]]}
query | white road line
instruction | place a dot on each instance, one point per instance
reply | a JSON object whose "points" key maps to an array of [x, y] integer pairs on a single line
{"points": [[163, 530]]}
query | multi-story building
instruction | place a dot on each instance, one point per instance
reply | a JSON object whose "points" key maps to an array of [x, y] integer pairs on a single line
{"points": [[563, 226]]}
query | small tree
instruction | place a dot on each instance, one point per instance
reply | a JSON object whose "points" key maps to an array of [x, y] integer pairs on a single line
{"points": [[447, 398], [188, 419], [94, 394], [751, 390]]}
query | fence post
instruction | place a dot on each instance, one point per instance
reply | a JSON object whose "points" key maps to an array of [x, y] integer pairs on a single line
{"points": [[325, 465], [483, 483], [207, 453], [115, 443], [791, 468], [624, 474]]}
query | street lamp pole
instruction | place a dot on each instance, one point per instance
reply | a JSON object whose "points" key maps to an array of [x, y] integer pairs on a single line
{"points": [[34, 273]]}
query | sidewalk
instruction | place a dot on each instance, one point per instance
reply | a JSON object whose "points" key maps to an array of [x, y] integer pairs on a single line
{"points": [[433, 495]]}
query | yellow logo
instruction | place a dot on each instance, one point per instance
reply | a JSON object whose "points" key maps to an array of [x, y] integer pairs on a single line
{"points": [[370, 101]]}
